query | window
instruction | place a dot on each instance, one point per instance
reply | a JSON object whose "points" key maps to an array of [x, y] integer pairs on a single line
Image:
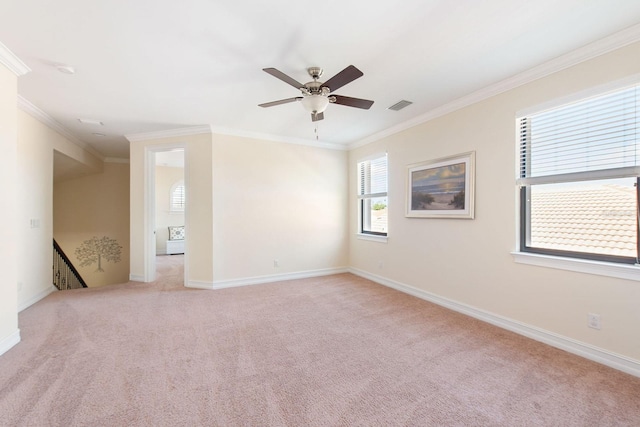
{"points": [[177, 197], [579, 178], [372, 196]]}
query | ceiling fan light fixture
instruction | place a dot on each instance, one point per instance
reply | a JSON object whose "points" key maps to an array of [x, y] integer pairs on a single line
{"points": [[315, 103], [316, 95]]}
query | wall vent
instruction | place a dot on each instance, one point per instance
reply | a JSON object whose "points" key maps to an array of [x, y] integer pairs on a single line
{"points": [[400, 105]]}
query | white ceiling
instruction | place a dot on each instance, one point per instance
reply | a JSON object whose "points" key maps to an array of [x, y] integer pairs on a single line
{"points": [[148, 66]]}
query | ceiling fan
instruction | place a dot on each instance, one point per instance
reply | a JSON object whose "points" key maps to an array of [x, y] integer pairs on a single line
{"points": [[316, 95]]}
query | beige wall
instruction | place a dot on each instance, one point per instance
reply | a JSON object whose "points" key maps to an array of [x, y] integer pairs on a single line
{"points": [[36, 145], [95, 205], [166, 177], [199, 210], [277, 201], [35, 168], [469, 261], [251, 202], [9, 333], [91, 163]]}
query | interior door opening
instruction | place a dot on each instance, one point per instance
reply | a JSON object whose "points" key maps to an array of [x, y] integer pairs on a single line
{"points": [[166, 207]]}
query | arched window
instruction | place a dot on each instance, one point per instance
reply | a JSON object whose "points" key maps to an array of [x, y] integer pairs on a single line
{"points": [[177, 197]]}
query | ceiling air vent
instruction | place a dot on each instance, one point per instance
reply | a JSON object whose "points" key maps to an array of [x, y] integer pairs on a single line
{"points": [[400, 105]]}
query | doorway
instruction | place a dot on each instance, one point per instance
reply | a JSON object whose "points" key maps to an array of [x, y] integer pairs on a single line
{"points": [[166, 206]]}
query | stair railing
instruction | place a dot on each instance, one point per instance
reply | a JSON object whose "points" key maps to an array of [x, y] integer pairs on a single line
{"points": [[65, 275]]}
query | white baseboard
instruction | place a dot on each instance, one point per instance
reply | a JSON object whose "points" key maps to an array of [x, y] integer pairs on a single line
{"points": [[9, 342], [588, 351], [136, 278], [37, 297], [256, 280], [199, 284]]}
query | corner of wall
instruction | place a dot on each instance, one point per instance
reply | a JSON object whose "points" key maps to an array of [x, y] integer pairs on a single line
{"points": [[8, 342]]}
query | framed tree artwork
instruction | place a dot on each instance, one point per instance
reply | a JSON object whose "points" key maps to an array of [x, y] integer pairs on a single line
{"points": [[442, 188]]}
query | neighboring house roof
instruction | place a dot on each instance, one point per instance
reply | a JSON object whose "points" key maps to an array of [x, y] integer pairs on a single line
{"points": [[598, 219], [379, 220]]}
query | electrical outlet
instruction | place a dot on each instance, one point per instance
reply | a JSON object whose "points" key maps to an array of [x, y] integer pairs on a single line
{"points": [[380, 264], [276, 263], [594, 321]]}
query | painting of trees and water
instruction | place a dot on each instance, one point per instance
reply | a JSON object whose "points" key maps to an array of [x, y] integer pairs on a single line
{"points": [[442, 188]]}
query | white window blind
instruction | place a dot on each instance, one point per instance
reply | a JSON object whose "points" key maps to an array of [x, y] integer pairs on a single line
{"points": [[597, 138], [178, 197], [372, 178]]}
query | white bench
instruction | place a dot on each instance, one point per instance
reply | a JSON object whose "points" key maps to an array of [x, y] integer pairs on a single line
{"points": [[175, 244], [175, 247]]}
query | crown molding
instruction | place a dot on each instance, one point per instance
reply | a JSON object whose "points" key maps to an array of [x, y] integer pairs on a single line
{"points": [[170, 133], [49, 121], [12, 62], [277, 138], [585, 53]]}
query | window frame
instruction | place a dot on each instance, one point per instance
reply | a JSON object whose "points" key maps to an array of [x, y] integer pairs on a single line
{"points": [[361, 198], [602, 264], [525, 230]]}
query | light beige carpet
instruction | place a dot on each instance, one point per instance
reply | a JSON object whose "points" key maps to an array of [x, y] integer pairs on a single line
{"points": [[330, 351]]}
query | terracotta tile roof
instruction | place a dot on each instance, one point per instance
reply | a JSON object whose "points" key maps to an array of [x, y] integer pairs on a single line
{"points": [[598, 219]]}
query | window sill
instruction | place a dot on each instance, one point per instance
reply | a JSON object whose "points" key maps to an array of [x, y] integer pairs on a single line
{"points": [[371, 237], [620, 271]]}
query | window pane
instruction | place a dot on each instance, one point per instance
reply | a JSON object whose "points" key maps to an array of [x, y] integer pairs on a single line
{"points": [[372, 181], [178, 198], [598, 217], [374, 215]]}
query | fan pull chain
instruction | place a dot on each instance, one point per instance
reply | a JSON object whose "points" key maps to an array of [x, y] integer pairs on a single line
{"points": [[316, 132]]}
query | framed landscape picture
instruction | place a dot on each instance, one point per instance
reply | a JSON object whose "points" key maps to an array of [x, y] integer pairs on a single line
{"points": [[442, 188]]}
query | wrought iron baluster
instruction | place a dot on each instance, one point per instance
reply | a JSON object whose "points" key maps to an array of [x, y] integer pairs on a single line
{"points": [[65, 275]]}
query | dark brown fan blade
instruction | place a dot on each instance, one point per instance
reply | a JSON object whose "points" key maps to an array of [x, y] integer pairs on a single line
{"points": [[317, 117], [345, 76], [353, 102], [282, 76], [282, 101]]}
